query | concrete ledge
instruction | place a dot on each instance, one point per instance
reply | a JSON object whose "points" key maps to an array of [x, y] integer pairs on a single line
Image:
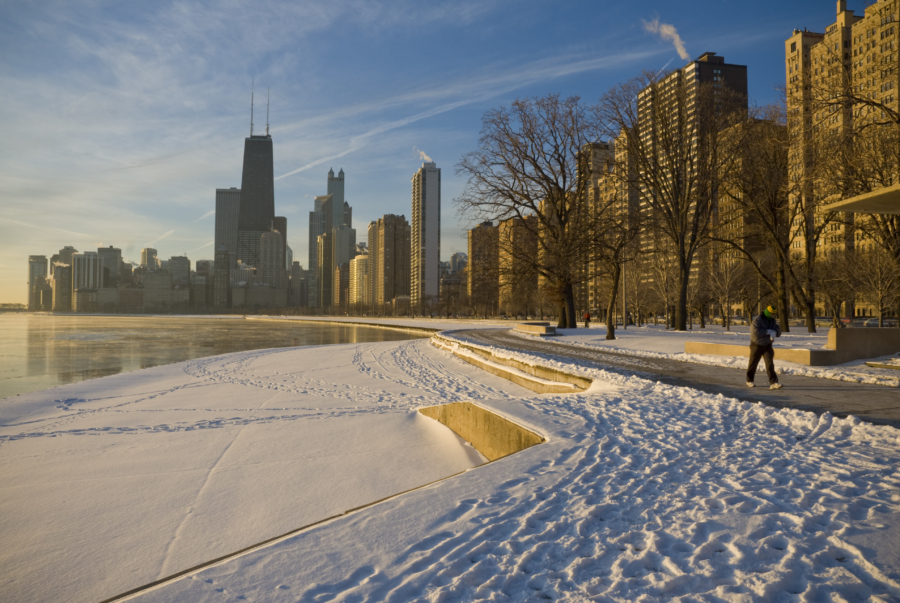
{"points": [[800, 356], [490, 434], [868, 342], [568, 383], [542, 329]]}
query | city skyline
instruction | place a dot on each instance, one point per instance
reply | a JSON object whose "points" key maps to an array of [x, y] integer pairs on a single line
{"points": [[128, 147]]}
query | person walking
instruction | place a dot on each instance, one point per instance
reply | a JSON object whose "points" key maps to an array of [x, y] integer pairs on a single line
{"points": [[587, 320], [763, 330]]}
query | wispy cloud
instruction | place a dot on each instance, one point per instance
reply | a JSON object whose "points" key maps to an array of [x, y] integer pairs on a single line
{"points": [[161, 237], [202, 247], [669, 33], [211, 212]]}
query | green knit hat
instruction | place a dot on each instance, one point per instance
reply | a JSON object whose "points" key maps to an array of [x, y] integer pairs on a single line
{"points": [[769, 312]]}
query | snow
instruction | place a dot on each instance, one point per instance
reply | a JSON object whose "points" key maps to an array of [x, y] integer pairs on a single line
{"points": [[657, 342], [642, 491]]}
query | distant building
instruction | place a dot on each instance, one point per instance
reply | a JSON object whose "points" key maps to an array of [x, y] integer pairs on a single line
{"points": [[316, 229], [271, 264], [299, 281], [62, 287], [279, 224], [222, 278], [148, 259], [458, 262], [389, 258], [65, 255], [483, 285], [180, 269], [37, 274], [204, 267], [257, 208], [341, 285], [425, 234], [359, 281], [288, 257], [517, 246], [110, 266], [86, 271], [324, 269], [157, 291], [228, 207]]}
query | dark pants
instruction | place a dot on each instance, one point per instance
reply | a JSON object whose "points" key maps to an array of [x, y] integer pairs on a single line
{"points": [[768, 354]]}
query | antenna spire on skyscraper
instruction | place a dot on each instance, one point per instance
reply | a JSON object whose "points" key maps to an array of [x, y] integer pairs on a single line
{"points": [[267, 111], [252, 82]]}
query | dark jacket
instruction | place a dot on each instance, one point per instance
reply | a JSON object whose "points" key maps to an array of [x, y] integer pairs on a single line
{"points": [[759, 328]]}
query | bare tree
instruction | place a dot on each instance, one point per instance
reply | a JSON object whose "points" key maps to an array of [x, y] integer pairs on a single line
{"points": [[528, 163], [672, 129], [724, 282], [877, 280], [836, 282]]}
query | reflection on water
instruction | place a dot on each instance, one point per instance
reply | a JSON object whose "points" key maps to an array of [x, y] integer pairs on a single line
{"points": [[37, 352]]}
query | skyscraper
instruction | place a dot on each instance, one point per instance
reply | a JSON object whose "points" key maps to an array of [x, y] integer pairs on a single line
{"points": [[228, 209], [37, 274], [389, 257], [325, 255], [271, 265], [425, 252], [149, 260], [316, 229], [257, 207], [336, 190]]}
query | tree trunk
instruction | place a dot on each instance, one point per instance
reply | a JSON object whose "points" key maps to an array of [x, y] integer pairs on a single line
{"points": [[561, 323], [781, 294], [611, 307], [702, 319], [811, 313], [570, 306]]}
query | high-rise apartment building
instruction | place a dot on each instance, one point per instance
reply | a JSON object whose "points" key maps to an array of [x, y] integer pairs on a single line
{"points": [[257, 206], [389, 258], [299, 279], [228, 209], [65, 255], [37, 275], [149, 261], [341, 285], [425, 234], [517, 246], [859, 53], [359, 282], [483, 282]]}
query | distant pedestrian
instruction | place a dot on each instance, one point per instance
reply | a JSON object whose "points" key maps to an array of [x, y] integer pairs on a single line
{"points": [[587, 320], [763, 330]]}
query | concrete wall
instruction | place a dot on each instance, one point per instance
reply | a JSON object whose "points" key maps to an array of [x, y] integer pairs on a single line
{"points": [[800, 356], [852, 344], [489, 433]]}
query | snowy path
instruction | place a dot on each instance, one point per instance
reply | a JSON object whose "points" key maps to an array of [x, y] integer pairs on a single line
{"points": [[112, 483], [642, 490], [876, 403]]}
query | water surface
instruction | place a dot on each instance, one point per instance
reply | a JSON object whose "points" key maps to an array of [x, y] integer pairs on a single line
{"points": [[41, 351]]}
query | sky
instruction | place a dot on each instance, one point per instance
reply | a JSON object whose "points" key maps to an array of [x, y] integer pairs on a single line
{"points": [[120, 119]]}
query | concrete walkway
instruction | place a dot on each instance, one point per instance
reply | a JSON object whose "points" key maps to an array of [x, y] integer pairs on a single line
{"points": [[873, 403]]}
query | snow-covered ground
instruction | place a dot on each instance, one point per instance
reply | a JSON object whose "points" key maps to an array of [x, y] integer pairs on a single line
{"points": [[657, 342], [112, 483], [642, 491]]}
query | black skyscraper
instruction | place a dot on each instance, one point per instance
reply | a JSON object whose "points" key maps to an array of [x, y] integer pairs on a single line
{"points": [[257, 197]]}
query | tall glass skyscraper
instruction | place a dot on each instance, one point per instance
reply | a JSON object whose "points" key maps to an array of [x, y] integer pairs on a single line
{"points": [[257, 198]]}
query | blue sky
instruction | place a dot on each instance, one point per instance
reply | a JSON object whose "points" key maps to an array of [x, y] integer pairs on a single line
{"points": [[120, 119]]}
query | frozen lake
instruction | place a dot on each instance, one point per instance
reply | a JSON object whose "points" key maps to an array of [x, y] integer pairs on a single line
{"points": [[42, 351]]}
